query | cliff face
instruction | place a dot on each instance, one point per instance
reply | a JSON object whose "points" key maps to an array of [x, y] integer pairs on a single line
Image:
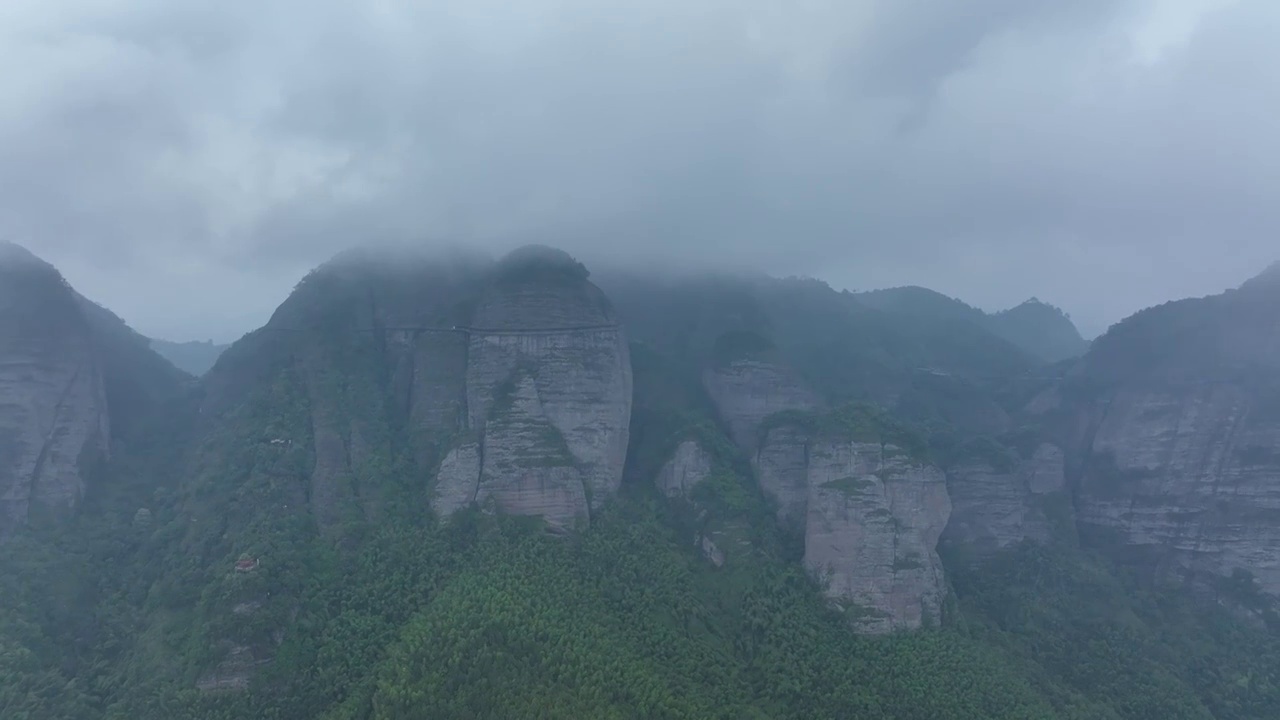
{"points": [[545, 389], [548, 388], [748, 390], [1190, 478], [688, 466], [999, 504], [1179, 413], [510, 383], [54, 423], [871, 533], [74, 381], [870, 514]]}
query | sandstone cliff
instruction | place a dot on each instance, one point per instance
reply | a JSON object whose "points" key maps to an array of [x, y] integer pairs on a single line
{"points": [[871, 512], [1000, 502], [1178, 413], [74, 381], [548, 388], [54, 423], [871, 532], [509, 382]]}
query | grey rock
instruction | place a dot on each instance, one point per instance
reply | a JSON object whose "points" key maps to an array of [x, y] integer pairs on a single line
{"points": [[527, 466], [994, 509], [548, 389], [871, 516], [873, 523], [746, 392], [782, 467], [710, 550], [1190, 479], [54, 420], [688, 466], [458, 480], [1178, 414]]}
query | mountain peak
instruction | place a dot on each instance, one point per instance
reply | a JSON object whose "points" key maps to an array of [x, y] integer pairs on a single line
{"points": [[1270, 277], [540, 261], [16, 257]]}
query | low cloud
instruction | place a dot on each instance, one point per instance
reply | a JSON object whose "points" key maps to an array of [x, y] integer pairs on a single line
{"points": [[186, 163]]}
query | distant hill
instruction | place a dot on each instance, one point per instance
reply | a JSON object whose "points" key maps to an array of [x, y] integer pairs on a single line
{"points": [[1036, 327], [1041, 329], [195, 357]]}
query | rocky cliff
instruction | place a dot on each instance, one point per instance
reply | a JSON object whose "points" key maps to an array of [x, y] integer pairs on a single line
{"points": [[871, 512], [1002, 501], [874, 516], [509, 382], [54, 422], [548, 387], [1178, 415]]}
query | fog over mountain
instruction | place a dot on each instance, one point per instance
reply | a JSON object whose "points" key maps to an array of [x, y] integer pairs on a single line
{"points": [[186, 163]]}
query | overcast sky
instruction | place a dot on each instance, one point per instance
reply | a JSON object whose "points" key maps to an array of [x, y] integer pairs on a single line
{"points": [[185, 163]]}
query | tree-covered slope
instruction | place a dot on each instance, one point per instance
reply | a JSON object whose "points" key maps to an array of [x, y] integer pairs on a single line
{"points": [[1035, 327]]}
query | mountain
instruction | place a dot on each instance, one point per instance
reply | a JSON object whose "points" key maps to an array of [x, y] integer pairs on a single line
{"points": [[1178, 412], [194, 358], [1035, 327], [1041, 329], [443, 485], [74, 383]]}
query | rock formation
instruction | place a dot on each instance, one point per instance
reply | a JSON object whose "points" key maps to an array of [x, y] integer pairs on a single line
{"points": [[54, 424], [872, 525], [871, 513], [548, 393], [1179, 413], [688, 466], [1000, 503]]}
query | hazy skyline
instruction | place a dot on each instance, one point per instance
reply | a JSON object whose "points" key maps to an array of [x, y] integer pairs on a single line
{"points": [[186, 163]]}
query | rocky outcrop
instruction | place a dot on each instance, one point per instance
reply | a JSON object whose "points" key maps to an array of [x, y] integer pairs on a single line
{"points": [[870, 514], [782, 467], [746, 391], [547, 392], [753, 396], [511, 381], [54, 421], [1000, 503], [1178, 410], [458, 480], [874, 516], [688, 466], [1189, 480], [527, 466]]}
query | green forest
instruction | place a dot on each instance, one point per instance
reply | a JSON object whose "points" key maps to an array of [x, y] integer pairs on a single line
{"points": [[487, 617]]}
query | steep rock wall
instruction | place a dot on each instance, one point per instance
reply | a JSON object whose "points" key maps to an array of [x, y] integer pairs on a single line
{"points": [[1188, 478], [871, 516], [547, 391], [1177, 411], [871, 533], [747, 391], [54, 421], [996, 507]]}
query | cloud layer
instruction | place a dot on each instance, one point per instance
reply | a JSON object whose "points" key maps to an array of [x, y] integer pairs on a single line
{"points": [[185, 163]]}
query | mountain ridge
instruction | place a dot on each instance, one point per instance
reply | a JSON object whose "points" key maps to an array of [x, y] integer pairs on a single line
{"points": [[766, 499]]}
